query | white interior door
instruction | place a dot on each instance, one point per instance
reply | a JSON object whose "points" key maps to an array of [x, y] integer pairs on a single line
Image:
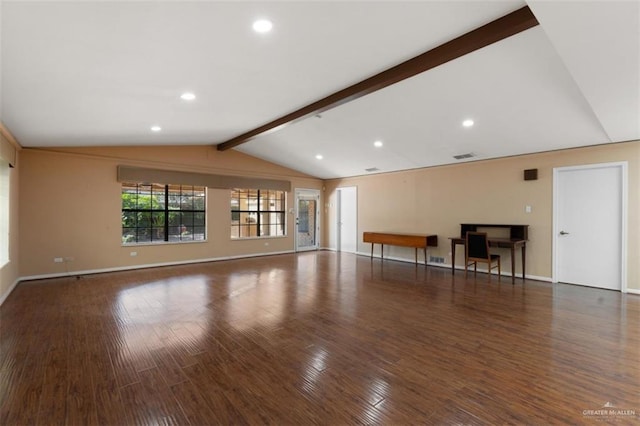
{"points": [[347, 237], [307, 219], [589, 225]]}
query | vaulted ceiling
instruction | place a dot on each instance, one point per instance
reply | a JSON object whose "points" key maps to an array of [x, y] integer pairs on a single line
{"points": [[103, 73]]}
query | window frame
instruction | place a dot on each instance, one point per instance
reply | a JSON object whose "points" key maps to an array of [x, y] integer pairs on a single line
{"points": [[5, 213], [169, 203], [273, 195]]}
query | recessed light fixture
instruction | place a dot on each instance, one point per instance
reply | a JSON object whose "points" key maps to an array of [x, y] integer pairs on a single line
{"points": [[378, 144], [319, 157], [156, 128], [467, 123], [262, 26], [187, 96]]}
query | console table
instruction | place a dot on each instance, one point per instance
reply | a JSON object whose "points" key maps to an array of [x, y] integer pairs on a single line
{"points": [[406, 240], [518, 236]]}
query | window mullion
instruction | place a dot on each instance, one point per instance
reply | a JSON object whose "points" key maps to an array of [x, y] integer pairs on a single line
{"points": [[166, 212], [253, 208], [142, 209], [258, 233]]}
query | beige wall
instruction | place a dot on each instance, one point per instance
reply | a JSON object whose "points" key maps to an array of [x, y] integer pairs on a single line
{"points": [[70, 207], [436, 200], [9, 273]]}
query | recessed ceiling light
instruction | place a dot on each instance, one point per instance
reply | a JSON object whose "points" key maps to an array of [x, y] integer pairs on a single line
{"points": [[467, 123], [188, 96], [262, 26], [377, 144], [319, 157], [156, 128]]}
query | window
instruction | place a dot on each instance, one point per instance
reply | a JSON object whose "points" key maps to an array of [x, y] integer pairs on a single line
{"points": [[4, 213], [154, 213], [257, 213]]}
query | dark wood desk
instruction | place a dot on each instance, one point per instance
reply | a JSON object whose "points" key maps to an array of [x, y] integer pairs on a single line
{"points": [[518, 236], [406, 240]]}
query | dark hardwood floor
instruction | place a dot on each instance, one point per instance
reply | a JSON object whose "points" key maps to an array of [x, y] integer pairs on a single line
{"points": [[316, 338]]}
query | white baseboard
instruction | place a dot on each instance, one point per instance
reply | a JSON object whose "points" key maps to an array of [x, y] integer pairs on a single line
{"points": [[459, 268], [145, 266], [633, 290], [217, 259], [8, 292], [539, 278]]}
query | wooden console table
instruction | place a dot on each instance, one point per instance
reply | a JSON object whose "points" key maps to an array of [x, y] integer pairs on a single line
{"points": [[405, 240], [518, 236]]}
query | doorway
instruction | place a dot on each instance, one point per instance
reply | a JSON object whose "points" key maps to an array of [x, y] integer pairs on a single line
{"points": [[589, 225], [347, 226], [307, 219]]}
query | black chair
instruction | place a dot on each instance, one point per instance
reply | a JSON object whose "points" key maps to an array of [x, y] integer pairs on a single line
{"points": [[477, 250]]}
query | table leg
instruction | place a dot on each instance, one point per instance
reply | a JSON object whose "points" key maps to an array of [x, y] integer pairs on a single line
{"points": [[381, 251], [372, 244], [453, 257], [513, 264], [524, 251], [416, 256], [425, 256]]}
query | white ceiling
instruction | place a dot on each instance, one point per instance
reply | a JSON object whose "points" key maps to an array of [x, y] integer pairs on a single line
{"points": [[102, 73]]}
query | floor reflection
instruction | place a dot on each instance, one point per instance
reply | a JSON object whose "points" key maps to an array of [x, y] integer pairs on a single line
{"points": [[313, 338], [577, 312], [163, 313], [254, 299]]}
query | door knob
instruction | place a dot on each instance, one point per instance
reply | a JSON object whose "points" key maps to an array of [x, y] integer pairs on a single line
{"points": [[564, 233]]}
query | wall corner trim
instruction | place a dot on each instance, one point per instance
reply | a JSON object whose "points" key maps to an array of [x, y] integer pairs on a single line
{"points": [[9, 137], [8, 292]]}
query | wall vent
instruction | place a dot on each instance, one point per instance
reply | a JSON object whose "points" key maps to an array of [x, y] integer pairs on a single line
{"points": [[372, 169], [463, 156]]}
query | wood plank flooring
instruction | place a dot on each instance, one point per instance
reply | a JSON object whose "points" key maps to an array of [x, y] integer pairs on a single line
{"points": [[315, 338]]}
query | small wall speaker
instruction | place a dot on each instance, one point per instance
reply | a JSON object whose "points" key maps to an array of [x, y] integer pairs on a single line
{"points": [[531, 174]]}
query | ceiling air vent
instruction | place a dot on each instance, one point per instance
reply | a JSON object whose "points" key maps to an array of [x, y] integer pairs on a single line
{"points": [[463, 156], [372, 169]]}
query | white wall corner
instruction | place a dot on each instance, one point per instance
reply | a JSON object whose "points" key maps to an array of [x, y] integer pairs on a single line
{"points": [[8, 292]]}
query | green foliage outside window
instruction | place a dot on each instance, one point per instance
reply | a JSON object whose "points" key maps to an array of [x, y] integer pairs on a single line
{"points": [[156, 213]]}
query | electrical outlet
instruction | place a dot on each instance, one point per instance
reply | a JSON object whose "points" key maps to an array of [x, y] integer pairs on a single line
{"points": [[133, 254], [58, 260]]}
